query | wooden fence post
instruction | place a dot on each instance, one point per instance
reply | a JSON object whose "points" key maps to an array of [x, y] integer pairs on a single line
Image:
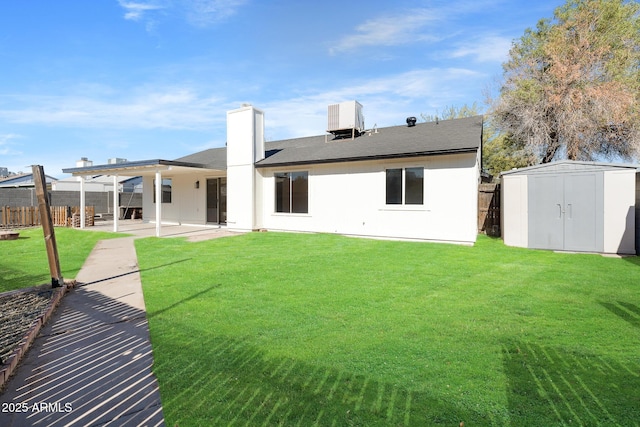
{"points": [[47, 226]]}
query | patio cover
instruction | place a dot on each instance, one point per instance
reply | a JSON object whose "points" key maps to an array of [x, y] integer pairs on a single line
{"points": [[153, 167]]}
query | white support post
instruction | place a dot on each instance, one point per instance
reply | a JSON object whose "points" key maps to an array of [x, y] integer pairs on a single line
{"points": [[116, 204], [158, 202], [83, 203]]}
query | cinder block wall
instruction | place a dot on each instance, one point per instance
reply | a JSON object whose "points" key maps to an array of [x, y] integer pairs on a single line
{"points": [[18, 197], [103, 200]]}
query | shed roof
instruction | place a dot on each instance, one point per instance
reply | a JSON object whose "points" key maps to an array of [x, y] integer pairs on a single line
{"points": [[570, 166]]}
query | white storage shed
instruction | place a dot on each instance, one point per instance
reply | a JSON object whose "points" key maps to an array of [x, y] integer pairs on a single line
{"points": [[573, 206]]}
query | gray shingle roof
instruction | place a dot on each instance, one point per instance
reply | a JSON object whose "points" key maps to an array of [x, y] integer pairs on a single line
{"points": [[213, 158], [447, 136], [444, 137]]}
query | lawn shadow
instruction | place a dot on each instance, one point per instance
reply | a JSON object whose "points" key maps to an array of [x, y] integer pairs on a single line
{"points": [[182, 301], [626, 311], [632, 259], [136, 271], [13, 279], [552, 386], [237, 383]]}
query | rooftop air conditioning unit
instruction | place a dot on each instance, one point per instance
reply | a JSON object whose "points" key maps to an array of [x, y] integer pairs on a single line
{"points": [[84, 162], [345, 119]]}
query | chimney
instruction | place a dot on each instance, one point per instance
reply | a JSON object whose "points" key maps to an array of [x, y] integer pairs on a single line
{"points": [[245, 146], [84, 162]]}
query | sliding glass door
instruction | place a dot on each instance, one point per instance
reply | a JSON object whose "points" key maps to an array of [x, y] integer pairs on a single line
{"points": [[217, 200]]}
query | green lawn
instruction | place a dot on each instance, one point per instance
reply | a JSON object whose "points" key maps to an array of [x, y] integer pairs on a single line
{"points": [[302, 330], [24, 261]]}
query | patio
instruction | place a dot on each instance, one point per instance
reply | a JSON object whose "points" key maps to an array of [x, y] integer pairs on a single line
{"points": [[139, 229]]}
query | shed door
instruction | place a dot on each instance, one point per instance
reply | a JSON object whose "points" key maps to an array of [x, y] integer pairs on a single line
{"points": [[566, 211], [546, 201], [581, 226]]}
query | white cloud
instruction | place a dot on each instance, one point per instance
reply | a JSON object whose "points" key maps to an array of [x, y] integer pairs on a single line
{"points": [[202, 13], [135, 11], [387, 101], [6, 143], [433, 24], [158, 108], [389, 31], [488, 48], [199, 13]]}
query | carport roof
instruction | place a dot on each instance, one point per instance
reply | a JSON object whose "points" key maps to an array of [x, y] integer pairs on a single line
{"points": [[137, 168]]}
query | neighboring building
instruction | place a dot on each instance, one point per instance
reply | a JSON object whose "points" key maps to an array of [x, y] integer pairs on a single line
{"points": [[418, 181], [99, 183], [573, 206], [23, 180], [4, 172]]}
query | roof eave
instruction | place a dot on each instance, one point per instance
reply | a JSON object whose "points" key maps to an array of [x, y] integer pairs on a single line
{"points": [[129, 167], [365, 158]]}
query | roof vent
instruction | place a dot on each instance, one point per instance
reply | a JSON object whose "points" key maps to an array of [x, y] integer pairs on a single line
{"points": [[411, 121]]}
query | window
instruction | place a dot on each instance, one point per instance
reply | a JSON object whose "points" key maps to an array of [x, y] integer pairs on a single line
{"points": [[292, 194], [166, 190], [405, 186]]}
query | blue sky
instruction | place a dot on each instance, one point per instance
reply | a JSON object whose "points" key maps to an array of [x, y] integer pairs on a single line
{"points": [[146, 79]]}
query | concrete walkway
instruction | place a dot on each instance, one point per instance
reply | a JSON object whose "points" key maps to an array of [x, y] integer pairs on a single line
{"points": [[91, 364], [139, 228]]}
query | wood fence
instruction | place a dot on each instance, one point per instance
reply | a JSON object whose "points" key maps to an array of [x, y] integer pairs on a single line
{"points": [[27, 216], [489, 209]]}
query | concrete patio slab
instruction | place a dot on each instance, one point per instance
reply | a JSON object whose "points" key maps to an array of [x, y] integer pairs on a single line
{"points": [[139, 229]]}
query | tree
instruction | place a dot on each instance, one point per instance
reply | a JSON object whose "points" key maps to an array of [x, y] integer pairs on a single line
{"points": [[499, 151], [572, 85], [451, 112]]}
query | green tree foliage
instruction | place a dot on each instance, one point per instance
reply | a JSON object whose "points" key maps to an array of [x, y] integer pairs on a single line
{"points": [[572, 85], [499, 151], [452, 112]]}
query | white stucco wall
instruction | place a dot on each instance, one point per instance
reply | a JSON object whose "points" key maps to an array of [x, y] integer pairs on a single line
{"points": [[619, 211], [188, 203], [515, 211], [349, 198]]}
